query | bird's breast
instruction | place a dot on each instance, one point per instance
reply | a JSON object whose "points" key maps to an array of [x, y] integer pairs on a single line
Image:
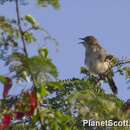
{"points": [[101, 67], [96, 66]]}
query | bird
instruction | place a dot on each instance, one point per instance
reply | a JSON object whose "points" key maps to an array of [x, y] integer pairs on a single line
{"points": [[98, 61]]}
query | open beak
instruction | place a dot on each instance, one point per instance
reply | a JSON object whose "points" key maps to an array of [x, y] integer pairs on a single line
{"points": [[82, 38], [82, 41]]}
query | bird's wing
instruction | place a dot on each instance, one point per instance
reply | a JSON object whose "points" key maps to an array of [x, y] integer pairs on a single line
{"points": [[110, 57], [113, 59]]}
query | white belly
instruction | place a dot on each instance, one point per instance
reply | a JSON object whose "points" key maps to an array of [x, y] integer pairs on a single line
{"points": [[99, 67], [102, 67], [95, 62]]}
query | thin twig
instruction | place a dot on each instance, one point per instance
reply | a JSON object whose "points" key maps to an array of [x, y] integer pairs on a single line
{"points": [[23, 41], [122, 63], [25, 50], [20, 28], [29, 29]]}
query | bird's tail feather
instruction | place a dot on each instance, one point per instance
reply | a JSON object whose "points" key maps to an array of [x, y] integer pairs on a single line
{"points": [[112, 85]]}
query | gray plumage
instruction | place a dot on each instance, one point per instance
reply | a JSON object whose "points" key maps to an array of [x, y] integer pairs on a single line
{"points": [[96, 59]]}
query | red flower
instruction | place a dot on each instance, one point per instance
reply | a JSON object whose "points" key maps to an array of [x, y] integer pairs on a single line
{"points": [[33, 100], [7, 86], [33, 103], [19, 115], [7, 119]]}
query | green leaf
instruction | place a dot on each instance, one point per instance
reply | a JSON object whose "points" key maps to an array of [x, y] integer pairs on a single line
{"points": [[45, 3], [6, 26], [31, 20], [127, 71], [43, 52], [84, 70], [40, 65], [2, 79], [67, 128], [17, 56], [55, 85], [29, 37], [43, 90]]}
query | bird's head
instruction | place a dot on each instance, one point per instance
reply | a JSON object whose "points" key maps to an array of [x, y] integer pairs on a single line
{"points": [[88, 41]]}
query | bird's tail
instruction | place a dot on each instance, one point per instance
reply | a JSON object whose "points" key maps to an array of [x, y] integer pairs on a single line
{"points": [[112, 85]]}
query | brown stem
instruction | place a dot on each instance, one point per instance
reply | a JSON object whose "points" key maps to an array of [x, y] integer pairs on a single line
{"points": [[20, 28], [25, 48], [122, 63], [23, 40]]}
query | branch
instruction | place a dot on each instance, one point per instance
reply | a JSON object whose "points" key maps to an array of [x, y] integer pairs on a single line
{"points": [[122, 62], [29, 29], [23, 40], [20, 28], [25, 51]]}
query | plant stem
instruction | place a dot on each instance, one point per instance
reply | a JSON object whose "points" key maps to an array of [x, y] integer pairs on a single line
{"points": [[123, 63], [25, 51], [20, 28], [23, 41]]}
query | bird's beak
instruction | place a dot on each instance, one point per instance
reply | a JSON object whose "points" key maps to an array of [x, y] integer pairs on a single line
{"points": [[81, 42], [81, 38]]}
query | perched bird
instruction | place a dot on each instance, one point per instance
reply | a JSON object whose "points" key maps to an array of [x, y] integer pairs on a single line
{"points": [[98, 60]]}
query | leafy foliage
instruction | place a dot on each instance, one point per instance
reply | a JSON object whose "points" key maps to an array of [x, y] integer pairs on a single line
{"points": [[7, 84], [44, 3], [50, 103]]}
